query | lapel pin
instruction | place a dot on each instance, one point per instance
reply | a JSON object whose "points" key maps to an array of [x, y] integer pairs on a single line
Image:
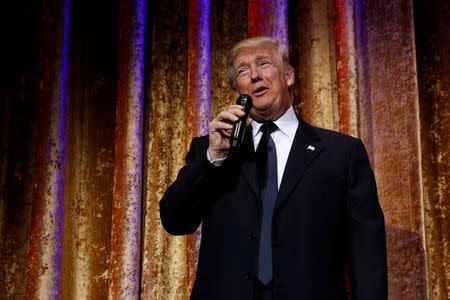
{"points": [[312, 148]]}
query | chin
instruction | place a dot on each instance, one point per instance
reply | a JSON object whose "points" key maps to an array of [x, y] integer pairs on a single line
{"points": [[262, 104], [263, 115]]}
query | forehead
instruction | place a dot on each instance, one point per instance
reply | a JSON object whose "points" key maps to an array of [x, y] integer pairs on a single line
{"points": [[248, 54]]}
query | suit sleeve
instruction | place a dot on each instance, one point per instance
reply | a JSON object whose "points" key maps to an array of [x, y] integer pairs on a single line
{"points": [[186, 201], [366, 244]]}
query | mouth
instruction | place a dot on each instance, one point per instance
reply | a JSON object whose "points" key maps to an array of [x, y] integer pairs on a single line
{"points": [[260, 91]]}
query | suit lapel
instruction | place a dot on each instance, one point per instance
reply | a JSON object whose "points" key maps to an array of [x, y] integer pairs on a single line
{"points": [[305, 148]]}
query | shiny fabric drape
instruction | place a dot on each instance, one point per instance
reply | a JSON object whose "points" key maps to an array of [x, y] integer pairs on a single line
{"points": [[100, 101], [124, 264], [47, 216]]}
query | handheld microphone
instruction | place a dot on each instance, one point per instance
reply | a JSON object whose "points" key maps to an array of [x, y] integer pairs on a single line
{"points": [[237, 135]]}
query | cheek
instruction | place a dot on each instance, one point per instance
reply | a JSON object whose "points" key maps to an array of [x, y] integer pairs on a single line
{"points": [[242, 84], [273, 77]]}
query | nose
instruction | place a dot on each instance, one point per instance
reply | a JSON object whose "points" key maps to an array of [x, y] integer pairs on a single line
{"points": [[255, 77]]}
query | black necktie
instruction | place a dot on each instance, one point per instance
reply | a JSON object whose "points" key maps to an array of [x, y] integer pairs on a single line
{"points": [[266, 167]]}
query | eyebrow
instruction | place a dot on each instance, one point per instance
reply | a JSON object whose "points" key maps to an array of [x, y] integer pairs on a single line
{"points": [[261, 57], [241, 64], [257, 59]]}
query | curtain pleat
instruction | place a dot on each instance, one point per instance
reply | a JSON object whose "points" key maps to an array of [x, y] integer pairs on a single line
{"points": [[46, 236], [363, 71], [91, 139], [126, 215], [228, 25], [346, 66], [198, 106], [433, 64], [90, 150], [19, 91], [267, 17], [198, 109], [166, 142], [312, 56], [395, 133]]}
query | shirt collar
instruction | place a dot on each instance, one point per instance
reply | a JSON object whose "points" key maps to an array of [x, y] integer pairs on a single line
{"points": [[287, 124]]}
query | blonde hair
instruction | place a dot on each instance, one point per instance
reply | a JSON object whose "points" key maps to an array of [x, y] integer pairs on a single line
{"points": [[261, 41]]}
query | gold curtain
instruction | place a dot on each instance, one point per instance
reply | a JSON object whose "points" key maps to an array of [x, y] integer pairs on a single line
{"points": [[100, 101]]}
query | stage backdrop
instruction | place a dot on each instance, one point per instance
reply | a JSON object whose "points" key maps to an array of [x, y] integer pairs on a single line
{"points": [[100, 99]]}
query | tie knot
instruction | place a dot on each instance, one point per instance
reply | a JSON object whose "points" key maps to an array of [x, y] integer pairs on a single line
{"points": [[268, 127]]}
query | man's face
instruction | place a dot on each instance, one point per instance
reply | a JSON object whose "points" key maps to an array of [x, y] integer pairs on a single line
{"points": [[259, 73]]}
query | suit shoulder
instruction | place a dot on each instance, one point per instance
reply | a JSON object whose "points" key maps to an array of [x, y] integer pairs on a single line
{"points": [[331, 136], [201, 140], [197, 147]]}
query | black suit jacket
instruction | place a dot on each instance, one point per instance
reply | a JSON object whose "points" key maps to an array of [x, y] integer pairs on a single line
{"points": [[327, 218]]}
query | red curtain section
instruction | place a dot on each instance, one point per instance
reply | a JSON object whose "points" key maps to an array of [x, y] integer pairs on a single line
{"points": [[124, 85], [269, 18], [346, 65], [198, 103], [46, 237], [124, 267]]}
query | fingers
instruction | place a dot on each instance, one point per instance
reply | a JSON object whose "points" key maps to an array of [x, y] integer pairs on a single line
{"points": [[220, 130], [224, 121], [231, 115], [236, 106], [219, 126], [227, 116]]}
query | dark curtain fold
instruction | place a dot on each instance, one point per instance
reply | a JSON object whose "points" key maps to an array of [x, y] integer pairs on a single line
{"points": [[433, 64]]}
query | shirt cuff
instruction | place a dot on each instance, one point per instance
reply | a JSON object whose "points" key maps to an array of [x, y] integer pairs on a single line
{"points": [[216, 162]]}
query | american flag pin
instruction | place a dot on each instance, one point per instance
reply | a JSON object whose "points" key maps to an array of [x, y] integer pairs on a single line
{"points": [[312, 148]]}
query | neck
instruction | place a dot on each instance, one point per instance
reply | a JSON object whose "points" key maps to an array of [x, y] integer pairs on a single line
{"points": [[271, 117]]}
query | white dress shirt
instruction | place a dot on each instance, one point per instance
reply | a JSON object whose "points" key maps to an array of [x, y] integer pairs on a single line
{"points": [[282, 137]]}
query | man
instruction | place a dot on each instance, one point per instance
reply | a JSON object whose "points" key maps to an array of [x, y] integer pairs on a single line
{"points": [[289, 218]]}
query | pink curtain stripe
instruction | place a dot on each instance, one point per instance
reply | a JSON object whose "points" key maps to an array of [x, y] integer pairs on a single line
{"points": [[46, 238], [198, 68], [199, 106], [126, 219], [346, 66], [267, 17]]}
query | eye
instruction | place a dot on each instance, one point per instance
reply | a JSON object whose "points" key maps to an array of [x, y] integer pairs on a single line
{"points": [[242, 71], [264, 63]]}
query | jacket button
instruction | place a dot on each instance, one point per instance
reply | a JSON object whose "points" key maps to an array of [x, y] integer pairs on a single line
{"points": [[248, 276], [252, 236]]}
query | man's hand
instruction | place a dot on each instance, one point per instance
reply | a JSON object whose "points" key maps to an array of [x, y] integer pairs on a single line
{"points": [[220, 131]]}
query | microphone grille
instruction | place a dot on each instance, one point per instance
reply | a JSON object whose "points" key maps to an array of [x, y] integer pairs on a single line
{"points": [[246, 101]]}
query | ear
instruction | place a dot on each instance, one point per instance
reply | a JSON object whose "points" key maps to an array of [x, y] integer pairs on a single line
{"points": [[290, 78]]}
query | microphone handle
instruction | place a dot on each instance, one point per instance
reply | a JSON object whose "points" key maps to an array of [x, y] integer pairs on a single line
{"points": [[237, 135]]}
